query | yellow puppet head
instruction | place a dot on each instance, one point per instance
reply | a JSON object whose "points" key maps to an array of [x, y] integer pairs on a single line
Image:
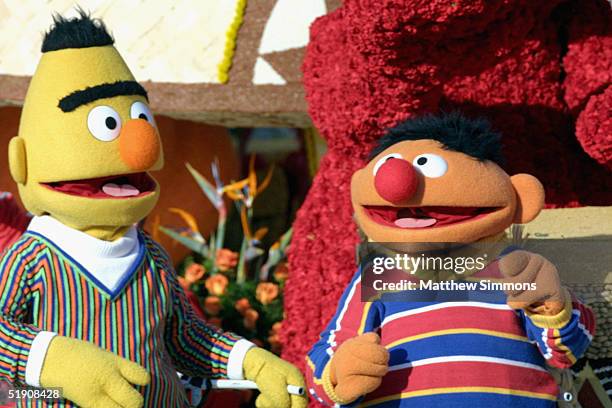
{"points": [[87, 138]]}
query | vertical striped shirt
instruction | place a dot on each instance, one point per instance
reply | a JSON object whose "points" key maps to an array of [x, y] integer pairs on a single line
{"points": [[147, 319], [472, 353]]}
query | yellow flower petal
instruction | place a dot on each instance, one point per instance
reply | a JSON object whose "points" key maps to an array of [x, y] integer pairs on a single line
{"points": [[233, 195], [266, 182], [260, 233], [252, 176], [187, 217], [236, 185]]}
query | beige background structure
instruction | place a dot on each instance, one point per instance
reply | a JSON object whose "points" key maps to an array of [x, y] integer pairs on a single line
{"points": [[175, 47], [163, 41]]}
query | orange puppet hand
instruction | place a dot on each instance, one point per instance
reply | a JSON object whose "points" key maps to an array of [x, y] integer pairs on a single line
{"points": [[356, 368], [546, 296]]}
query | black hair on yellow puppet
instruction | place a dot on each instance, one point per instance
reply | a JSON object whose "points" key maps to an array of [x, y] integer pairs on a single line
{"points": [[78, 32]]}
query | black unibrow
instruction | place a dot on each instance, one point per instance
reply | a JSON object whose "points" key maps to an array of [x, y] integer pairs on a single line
{"points": [[84, 96]]}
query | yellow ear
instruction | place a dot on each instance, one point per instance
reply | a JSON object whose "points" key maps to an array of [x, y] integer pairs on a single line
{"points": [[17, 160], [530, 197]]}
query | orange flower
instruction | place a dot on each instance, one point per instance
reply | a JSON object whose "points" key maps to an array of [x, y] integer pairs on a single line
{"points": [[226, 259], [275, 344], [250, 319], [194, 273], [212, 305], [184, 284], [281, 272], [276, 328], [216, 284], [266, 292], [214, 321], [242, 305]]}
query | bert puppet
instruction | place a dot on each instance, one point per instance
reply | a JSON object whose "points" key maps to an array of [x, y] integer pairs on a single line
{"points": [[88, 302]]}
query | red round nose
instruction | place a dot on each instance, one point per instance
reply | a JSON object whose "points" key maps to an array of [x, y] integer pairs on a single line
{"points": [[396, 180]]}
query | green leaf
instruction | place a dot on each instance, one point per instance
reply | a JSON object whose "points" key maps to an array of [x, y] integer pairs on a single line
{"points": [[285, 240], [209, 190], [212, 249], [193, 244], [275, 255]]}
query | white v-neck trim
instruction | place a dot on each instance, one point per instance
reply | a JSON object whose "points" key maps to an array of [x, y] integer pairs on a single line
{"points": [[107, 261]]}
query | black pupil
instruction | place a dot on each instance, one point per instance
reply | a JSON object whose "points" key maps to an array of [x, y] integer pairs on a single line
{"points": [[111, 123], [421, 161], [143, 116]]}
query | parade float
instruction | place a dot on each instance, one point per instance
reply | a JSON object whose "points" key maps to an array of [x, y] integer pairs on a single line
{"points": [[539, 71]]}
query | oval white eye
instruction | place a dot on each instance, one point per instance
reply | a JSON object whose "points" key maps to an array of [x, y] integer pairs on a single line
{"points": [[383, 159], [430, 165], [104, 123], [140, 110]]}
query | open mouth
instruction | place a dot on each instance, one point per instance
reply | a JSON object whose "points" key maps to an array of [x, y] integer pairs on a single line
{"points": [[424, 217], [122, 186]]}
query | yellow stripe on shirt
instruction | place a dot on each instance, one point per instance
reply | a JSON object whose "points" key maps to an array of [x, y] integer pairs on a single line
{"points": [[457, 331], [364, 318], [559, 345]]}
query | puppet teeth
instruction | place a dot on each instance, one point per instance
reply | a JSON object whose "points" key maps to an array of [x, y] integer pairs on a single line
{"points": [[124, 190], [415, 222]]}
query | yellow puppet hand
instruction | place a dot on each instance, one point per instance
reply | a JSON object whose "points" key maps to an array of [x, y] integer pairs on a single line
{"points": [[90, 376], [272, 375]]}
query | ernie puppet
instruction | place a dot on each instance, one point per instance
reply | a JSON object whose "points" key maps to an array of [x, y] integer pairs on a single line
{"points": [[437, 179], [88, 302]]}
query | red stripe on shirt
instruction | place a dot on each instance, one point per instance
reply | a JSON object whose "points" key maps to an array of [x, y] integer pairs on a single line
{"points": [[504, 321]]}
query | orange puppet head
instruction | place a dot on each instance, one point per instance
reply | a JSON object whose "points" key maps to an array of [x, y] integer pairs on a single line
{"points": [[438, 179]]}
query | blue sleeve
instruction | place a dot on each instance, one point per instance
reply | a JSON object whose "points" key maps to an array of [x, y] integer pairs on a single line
{"points": [[352, 318], [562, 344]]}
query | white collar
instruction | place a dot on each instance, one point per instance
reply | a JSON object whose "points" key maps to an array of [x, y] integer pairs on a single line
{"points": [[110, 263]]}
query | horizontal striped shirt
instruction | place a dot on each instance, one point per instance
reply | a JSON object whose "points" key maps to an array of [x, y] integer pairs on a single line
{"points": [[147, 319], [471, 353]]}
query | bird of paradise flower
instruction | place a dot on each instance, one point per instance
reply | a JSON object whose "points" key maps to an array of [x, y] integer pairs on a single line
{"points": [[243, 193]]}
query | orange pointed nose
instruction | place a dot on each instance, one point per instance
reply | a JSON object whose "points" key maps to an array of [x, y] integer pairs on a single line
{"points": [[139, 144]]}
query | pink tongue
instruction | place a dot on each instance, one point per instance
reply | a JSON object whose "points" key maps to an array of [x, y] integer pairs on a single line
{"points": [[415, 222], [125, 190]]}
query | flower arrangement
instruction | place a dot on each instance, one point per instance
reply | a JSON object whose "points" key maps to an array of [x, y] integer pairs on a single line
{"points": [[239, 291]]}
